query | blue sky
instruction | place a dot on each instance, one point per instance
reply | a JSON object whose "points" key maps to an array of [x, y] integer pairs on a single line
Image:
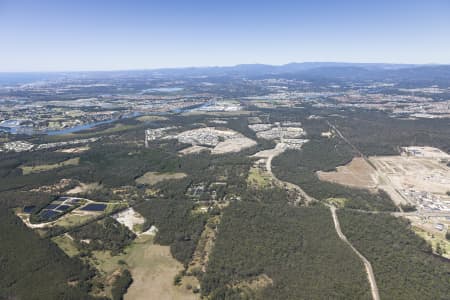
{"points": [[61, 35]]}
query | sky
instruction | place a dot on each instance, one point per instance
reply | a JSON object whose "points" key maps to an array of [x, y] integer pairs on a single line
{"points": [[65, 35]]}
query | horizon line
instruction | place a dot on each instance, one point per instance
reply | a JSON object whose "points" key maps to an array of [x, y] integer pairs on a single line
{"points": [[222, 66]]}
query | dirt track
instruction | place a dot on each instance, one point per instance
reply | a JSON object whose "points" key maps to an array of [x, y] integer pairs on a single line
{"points": [[367, 265], [370, 275]]}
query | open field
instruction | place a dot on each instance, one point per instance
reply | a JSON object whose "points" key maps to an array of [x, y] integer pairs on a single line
{"points": [[151, 178], [42, 168], [434, 240], [152, 267], [74, 150], [74, 219], [358, 173], [66, 243]]}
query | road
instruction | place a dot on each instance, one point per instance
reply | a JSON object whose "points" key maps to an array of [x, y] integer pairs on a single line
{"points": [[299, 190], [337, 226], [388, 187], [367, 265]]}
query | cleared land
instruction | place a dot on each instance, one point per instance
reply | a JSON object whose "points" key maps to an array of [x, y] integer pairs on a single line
{"points": [[358, 173], [85, 188], [131, 219], [74, 150], [66, 243], [42, 168], [151, 178], [193, 150], [422, 174], [152, 267]]}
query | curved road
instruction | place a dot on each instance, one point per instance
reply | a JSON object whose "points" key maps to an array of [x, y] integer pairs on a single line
{"points": [[337, 227]]}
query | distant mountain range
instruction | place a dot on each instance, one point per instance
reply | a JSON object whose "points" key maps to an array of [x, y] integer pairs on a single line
{"points": [[305, 70]]}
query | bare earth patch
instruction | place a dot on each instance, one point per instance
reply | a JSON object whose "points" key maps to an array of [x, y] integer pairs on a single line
{"points": [[233, 145], [152, 178], [131, 219], [74, 150], [193, 149], [358, 173], [84, 188]]}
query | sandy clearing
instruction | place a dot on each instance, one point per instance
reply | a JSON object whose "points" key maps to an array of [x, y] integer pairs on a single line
{"points": [[233, 145], [358, 173], [193, 149], [152, 178], [74, 150], [84, 187], [129, 218]]}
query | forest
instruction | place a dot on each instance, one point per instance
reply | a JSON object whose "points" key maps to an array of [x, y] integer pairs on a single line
{"points": [[296, 247], [404, 265], [324, 154], [35, 268], [106, 234]]}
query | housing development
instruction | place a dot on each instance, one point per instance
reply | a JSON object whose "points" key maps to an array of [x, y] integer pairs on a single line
{"points": [[301, 181]]}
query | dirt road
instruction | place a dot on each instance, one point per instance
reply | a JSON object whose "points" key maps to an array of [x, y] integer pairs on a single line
{"points": [[367, 265], [396, 196], [337, 226]]}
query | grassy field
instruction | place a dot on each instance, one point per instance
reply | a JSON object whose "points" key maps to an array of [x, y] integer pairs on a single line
{"points": [[434, 240], [42, 168], [72, 220], [66, 244], [258, 178], [152, 267], [152, 178]]}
